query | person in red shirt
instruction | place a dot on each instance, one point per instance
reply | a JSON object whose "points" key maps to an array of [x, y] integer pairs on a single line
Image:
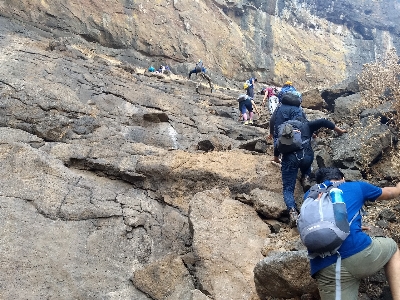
{"points": [[270, 95], [268, 92]]}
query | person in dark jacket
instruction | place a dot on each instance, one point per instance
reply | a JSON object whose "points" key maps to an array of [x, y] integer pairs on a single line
{"points": [[284, 112], [301, 159], [201, 70], [287, 87]]}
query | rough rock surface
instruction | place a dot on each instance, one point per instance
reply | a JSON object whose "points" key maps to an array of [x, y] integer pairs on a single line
{"points": [[279, 273], [111, 176], [227, 238], [274, 39]]}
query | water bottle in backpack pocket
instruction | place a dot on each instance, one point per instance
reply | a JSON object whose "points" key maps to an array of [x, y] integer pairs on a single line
{"points": [[339, 209]]}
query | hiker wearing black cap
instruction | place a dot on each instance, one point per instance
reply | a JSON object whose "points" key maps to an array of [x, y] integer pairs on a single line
{"points": [[288, 109]]}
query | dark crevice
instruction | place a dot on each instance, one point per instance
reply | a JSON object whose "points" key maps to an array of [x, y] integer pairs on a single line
{"points": [[108, 171]]}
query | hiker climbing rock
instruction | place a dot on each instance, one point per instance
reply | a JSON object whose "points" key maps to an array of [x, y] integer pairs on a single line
{"points": [[270, 96], [201, 71], [300, 156], [247, 104], [288, 110], [287, 87], [198, 68], [360, 255], [249, 87]]}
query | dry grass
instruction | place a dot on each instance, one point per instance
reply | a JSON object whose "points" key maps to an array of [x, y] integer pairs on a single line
{"points": [[379, 85]]}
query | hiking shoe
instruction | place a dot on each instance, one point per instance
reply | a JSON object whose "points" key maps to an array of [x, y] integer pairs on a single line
{"points": [[251, 122], [306, 183], [293, 215], [246, 123]]}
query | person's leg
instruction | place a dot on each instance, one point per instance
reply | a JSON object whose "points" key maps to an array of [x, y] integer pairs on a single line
{"points": [[289, 174], [191, 72], [326, 279], [305, 168], [208, 79], [392, 270], [251, 91], [249, 107], [251, 114], [373, 258], [367, 262], [243, 110]]}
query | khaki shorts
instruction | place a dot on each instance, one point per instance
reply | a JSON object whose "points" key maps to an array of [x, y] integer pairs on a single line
{"points": [[354, 268]]}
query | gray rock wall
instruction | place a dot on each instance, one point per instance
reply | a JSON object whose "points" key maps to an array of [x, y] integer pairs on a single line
{"points": [[120, 184], [273, 40]]}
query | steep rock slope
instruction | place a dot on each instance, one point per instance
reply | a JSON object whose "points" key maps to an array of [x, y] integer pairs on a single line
{"points": [[274, 40], [109, 187]]}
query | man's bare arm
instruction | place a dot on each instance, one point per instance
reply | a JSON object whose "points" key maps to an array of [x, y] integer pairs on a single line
{"points": [[390, 192]]}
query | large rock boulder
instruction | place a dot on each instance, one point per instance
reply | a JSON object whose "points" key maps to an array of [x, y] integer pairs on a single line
{"points": [[348, 108], [362, 145], [312, 99], [269, 204], [284, 275], [227, 239], [165, 279]]}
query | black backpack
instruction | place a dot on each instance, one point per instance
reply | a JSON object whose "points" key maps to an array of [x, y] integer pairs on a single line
{"points": [[289, 137], [292, 99], [242, 97]]}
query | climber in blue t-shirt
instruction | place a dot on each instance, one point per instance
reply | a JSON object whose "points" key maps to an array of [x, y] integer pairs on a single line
{"points": [[361, 255]]}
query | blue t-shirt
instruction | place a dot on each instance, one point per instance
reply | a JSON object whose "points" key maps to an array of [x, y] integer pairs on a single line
{"points": [[354, 195]]}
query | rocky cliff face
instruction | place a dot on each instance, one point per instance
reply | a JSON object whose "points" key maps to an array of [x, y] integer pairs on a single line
{"points": [[314, 43], [116, 183]]}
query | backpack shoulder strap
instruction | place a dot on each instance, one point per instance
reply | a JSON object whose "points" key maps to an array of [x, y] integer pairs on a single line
{"points": [[315, 190]]}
